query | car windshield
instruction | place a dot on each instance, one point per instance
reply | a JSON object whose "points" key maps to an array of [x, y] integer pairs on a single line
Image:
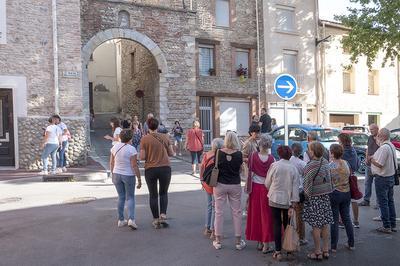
{"points": [[327, 135], [359, 139]]}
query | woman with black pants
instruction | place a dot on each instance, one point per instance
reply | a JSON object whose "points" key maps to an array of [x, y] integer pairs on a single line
{"points": [[155, 151]]}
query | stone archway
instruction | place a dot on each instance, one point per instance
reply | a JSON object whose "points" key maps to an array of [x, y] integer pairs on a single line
{"points": [[141, 39]]}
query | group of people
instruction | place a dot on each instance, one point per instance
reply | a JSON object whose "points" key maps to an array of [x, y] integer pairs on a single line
{"points": [[312, 187], [55, 144]]}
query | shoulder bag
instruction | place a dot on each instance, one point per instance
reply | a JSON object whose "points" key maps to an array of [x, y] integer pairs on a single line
{"points": [[215, 172], [396, 170]]}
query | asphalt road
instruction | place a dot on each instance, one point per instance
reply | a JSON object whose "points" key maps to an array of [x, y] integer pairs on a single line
{"points": [[39, 227]]}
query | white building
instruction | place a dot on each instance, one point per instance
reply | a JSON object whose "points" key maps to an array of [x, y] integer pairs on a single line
{"points": [[290, 30], [352, 93]]}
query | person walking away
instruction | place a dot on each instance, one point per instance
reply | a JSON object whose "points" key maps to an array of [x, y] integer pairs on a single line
{"points": [[137, 136], [383, 166], [195, 144], [146, 125], [230, 159], [116, 130], [265, 120], [155, 151], [124, 169], [62, 159], [283, 184], [177, 131], [317, 208], [273, 124], [295, 160], [209, 159], [350, 155], [340, 197], [51, 143], [372, 147], [259, 226]]}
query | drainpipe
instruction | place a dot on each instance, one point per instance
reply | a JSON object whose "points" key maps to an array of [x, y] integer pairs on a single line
{"points": [[55, 56], [323, 90], [258, 60]]}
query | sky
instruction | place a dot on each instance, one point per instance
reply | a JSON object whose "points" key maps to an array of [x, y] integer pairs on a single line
{"points": [[329, 8]]}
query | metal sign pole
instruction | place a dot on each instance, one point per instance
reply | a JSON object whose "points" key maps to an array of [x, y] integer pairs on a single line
{"points": [[286, 124]]}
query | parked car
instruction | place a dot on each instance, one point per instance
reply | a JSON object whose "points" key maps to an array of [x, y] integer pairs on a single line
{"points": [[362, 129], [298, 133], [395, 137]]}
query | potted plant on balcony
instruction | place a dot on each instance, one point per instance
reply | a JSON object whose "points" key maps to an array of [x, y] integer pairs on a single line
{"points": [[241, 72]]}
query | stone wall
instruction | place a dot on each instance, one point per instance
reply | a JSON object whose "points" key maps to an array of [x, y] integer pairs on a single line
{"points": [[30, 138], [144, 76]]}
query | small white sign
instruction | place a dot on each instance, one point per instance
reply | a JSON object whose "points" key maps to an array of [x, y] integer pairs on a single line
{"points": [[3, 24], [71, 74]]}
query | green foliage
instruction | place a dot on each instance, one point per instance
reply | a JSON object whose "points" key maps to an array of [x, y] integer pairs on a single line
{"points": [[375, 26]]}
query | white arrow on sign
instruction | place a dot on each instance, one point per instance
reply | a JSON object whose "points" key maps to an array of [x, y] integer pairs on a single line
{"points": [[289, 86]]}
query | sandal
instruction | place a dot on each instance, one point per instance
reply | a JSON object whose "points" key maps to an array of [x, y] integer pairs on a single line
{"points": [[266, 249], [260, 246], [325, 255], [163, 221], [315, 256], [277, 255], [156, 224]]}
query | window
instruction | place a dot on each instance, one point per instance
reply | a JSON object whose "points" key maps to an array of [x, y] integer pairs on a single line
{"points": [[348, 85], [286, 18], [133, 68], [242, 62], [206, 60], [222, 17], [297, 134], [279, 134], [289, 63], [373, 87]]}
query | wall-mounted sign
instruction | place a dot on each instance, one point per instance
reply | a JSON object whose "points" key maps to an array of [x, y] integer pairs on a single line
{"points": [[3, 24], [70, 74]]}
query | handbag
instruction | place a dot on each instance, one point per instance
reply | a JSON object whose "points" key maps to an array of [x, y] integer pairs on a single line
{"points": [[215, 172], [396, 169], [291, 238], [356, 194]]}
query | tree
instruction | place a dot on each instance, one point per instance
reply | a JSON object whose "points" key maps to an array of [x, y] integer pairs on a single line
{"points": [[375, 27]]}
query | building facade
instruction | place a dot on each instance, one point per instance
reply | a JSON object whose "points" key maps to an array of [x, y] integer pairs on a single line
{"points": [[354, 94]]}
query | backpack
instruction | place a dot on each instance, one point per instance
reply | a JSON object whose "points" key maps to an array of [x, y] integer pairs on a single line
{"points": [[205, 173]]}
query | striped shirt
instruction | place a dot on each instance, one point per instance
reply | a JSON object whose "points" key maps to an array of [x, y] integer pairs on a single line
{"points": [[316, 182]]}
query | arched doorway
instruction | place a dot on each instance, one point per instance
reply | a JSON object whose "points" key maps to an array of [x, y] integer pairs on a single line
{"points": [[107, 92]]}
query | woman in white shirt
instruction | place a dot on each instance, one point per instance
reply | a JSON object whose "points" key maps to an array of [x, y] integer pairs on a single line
{"points": [[123, 165], [116, 130], [283, 184], [51, 142]]}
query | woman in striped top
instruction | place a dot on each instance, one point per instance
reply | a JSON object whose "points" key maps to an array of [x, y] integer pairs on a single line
{"points": [[317, 209]]}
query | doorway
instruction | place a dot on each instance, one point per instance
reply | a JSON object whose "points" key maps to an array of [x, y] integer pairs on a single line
{"points": [[7, 151]]}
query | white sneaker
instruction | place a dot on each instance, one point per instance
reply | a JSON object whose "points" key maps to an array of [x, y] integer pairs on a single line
{"points": [[377, 219], [132, 224], [53, 172], [44, 173], [64, 169], [59, 170], [122, 223], [217, 245], [241, 245]]}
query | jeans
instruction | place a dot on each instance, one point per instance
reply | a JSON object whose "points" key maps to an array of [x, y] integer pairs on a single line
{"points": [[369, 179], [340, 203], [233, 193], [49, 149], [210, 214], [125, 186], [62, 160], [163, 176], [384, 194], [280, 217]]}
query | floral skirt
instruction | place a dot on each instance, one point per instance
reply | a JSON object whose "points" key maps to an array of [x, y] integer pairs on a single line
{"points": [[317, 211]]}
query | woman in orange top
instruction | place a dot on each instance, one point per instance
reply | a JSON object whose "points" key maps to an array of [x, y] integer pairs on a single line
{"points": [[195, 144]]}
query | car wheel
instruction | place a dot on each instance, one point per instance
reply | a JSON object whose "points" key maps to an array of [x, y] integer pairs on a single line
{"points": [[363, 166]]}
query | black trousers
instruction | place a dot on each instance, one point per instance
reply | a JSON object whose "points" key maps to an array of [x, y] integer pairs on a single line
{"points": [[161, 175], [280, 217]]}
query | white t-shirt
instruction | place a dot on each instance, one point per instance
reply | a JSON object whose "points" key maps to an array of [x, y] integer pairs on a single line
{"points": [[117, 131], [300, 165], [53, 132], [122, 158], [385, 156], [63, 127]]}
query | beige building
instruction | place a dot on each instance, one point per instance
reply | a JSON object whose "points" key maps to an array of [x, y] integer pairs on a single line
{"points": [[354, 94]]}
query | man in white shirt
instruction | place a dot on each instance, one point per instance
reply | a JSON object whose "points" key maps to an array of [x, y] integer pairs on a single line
{"points": [[383, 166], [62, 160]]}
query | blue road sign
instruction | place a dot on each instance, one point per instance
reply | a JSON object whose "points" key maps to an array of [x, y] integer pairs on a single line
{"points": [[285, 86]]}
